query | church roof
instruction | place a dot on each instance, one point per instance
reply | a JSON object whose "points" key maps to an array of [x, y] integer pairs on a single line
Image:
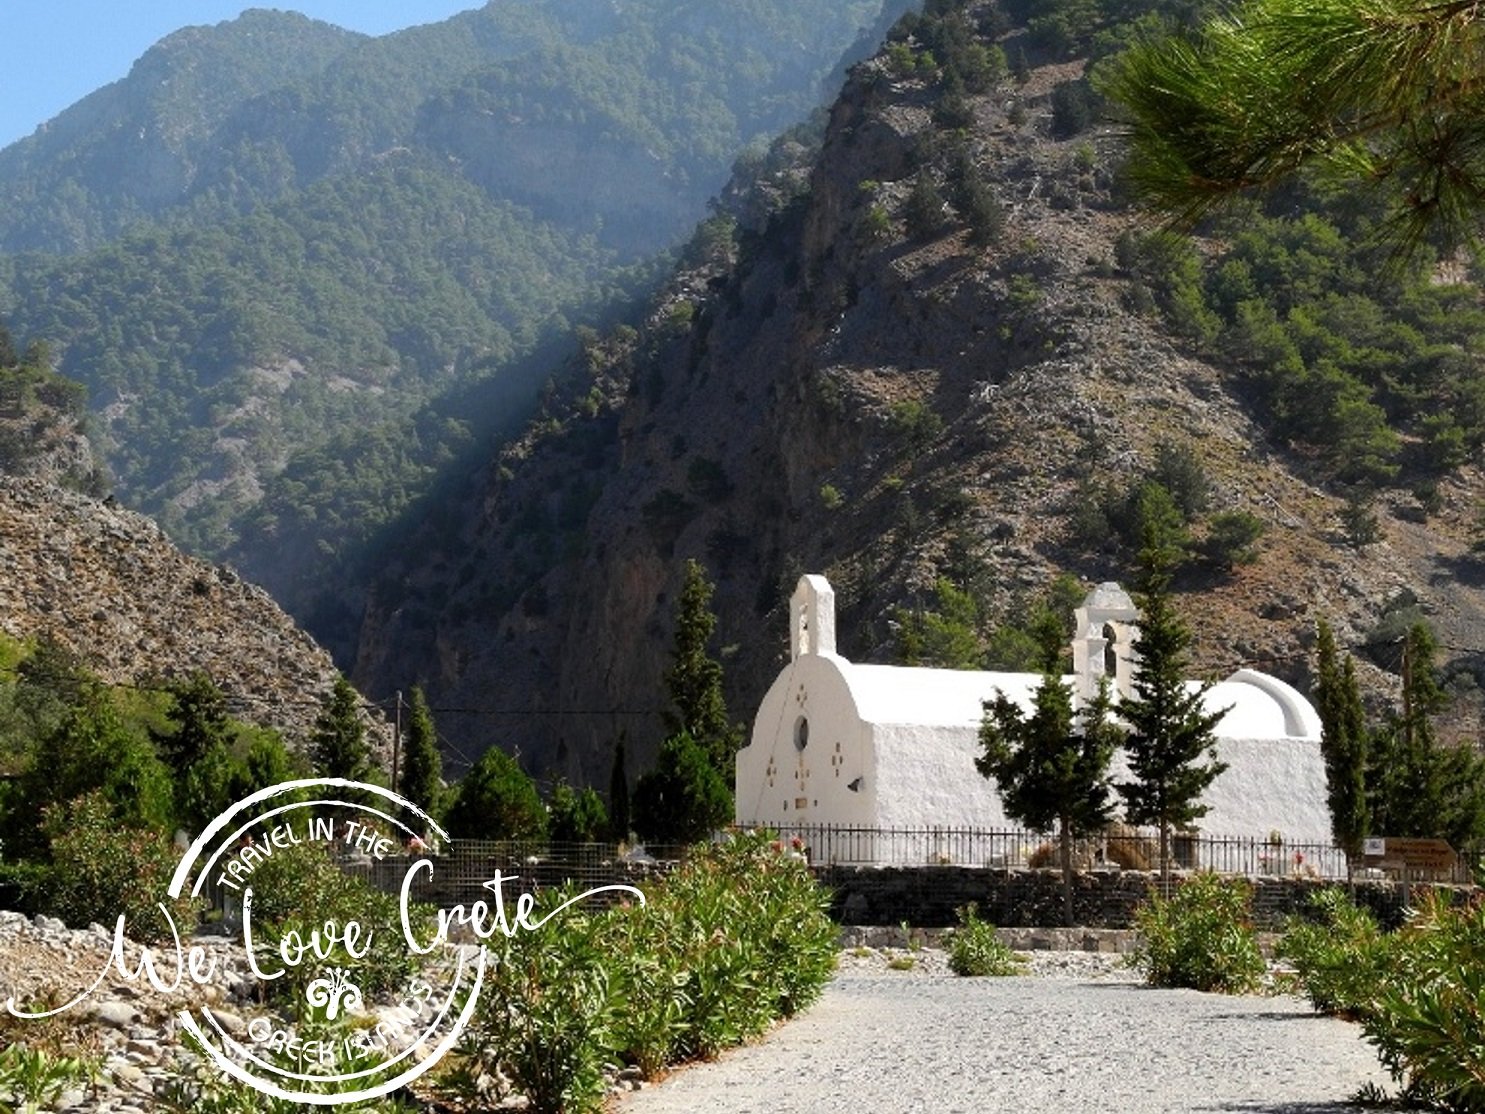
{"points": [[900, 694], [1258, 706]]}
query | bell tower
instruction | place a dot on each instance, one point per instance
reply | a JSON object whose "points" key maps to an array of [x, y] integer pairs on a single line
{"points": [[812, 618], [1104, 642]]}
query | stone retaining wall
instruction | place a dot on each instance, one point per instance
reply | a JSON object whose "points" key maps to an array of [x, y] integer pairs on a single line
{"points": [[927, 896]]}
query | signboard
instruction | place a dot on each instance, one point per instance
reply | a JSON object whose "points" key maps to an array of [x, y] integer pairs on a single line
{"points": [[1415, 854]]}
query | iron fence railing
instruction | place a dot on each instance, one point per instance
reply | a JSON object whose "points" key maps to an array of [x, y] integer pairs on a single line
{"points": [[1130, 849], [461, 869]]}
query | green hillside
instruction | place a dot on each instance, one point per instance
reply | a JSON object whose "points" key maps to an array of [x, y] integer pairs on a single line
{"points": [[269, 286]]}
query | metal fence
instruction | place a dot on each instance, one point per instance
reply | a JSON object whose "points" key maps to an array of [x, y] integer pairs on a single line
{"points": [[1129, 849], [460, 870]]}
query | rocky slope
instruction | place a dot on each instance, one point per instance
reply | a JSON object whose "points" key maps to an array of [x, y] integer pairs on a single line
{"points": [[109, 584], [839, 393]]}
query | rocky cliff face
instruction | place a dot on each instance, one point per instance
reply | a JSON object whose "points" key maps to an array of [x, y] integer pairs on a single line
{"points": [[844, 394], [107, 583]]}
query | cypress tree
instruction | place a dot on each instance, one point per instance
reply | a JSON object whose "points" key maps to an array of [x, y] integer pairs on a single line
{"points": [[422, 765], [618, 795], [1419, 786], [1344, 744], [694, 680]]}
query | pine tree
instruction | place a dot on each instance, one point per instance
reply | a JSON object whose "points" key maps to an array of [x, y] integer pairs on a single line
{"points": [[338, 743], [1344, 743], [496, 799], [1048, 773], [924, 209], [618, 795], [694, 680], [575, 815], [1384, 93], [198, 750], [422, 765], [1169, 730], [198, 719], [683, 799]]}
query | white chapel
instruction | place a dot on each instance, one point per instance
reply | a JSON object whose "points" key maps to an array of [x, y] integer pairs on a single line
{"points": [[881, 746]]}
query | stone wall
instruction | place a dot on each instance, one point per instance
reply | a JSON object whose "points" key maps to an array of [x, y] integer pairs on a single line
{"points": [[928, 896]]}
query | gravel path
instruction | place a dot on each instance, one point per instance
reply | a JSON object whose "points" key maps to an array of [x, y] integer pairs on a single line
{"points": [[1077, 1035]]}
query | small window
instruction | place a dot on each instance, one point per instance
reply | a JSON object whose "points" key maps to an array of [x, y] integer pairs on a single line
{"points": [[801, 733], [1110, 650]]}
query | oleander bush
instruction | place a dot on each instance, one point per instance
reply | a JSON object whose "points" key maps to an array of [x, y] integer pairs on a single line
{"points": [[1201, 937], [297, 889], [1340, 954], [32, 1079], [733, 940], [1427, 1016], [974, 949], [98, 868]]}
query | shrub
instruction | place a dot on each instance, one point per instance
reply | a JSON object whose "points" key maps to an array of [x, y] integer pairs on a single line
{"points": [[755, 942], [547, 1012], [1339, 955], [1200, 937], [1428, 1016], [297, 889], [732, 940], [31, 1079], [974, 949], [1231, 538], [100, 868]]}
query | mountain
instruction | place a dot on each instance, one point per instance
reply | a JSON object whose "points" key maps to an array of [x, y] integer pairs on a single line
{"points": [[939, 358], [108, 585], [276, 243]]}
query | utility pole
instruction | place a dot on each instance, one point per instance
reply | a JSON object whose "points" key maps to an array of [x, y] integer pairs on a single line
{"points": [[396, 739]]}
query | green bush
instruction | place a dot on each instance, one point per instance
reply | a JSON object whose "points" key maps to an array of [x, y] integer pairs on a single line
{"points": [[1427, 1019], [1339, 954], [547, 1013], [1231, 539], [974, 949], [746, 927], [1200, 937], [100, 868], [297, 889], [32, 1079], [732, 940]]}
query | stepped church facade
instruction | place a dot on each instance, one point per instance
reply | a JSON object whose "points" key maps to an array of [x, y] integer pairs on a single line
{"points": [[877, 747]]}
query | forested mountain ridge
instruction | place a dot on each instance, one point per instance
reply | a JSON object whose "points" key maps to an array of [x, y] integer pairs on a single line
{"points": [[134, 148], [298, 296], [938, 362]]}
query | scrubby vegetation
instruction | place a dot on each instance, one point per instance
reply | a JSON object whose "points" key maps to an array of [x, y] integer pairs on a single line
{"points": [[730, 942], [1417, 992], [974, 949], [1201, 937]]}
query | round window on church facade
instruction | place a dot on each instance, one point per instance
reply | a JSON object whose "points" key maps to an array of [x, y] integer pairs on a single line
{"points": [[801, 733]]}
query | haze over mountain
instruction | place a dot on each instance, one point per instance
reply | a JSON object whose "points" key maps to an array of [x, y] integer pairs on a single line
{"points": [[298, 268], [938, 357]]}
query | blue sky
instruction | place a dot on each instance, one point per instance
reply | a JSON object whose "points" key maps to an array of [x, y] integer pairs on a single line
{"points": [[56, 53]]}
